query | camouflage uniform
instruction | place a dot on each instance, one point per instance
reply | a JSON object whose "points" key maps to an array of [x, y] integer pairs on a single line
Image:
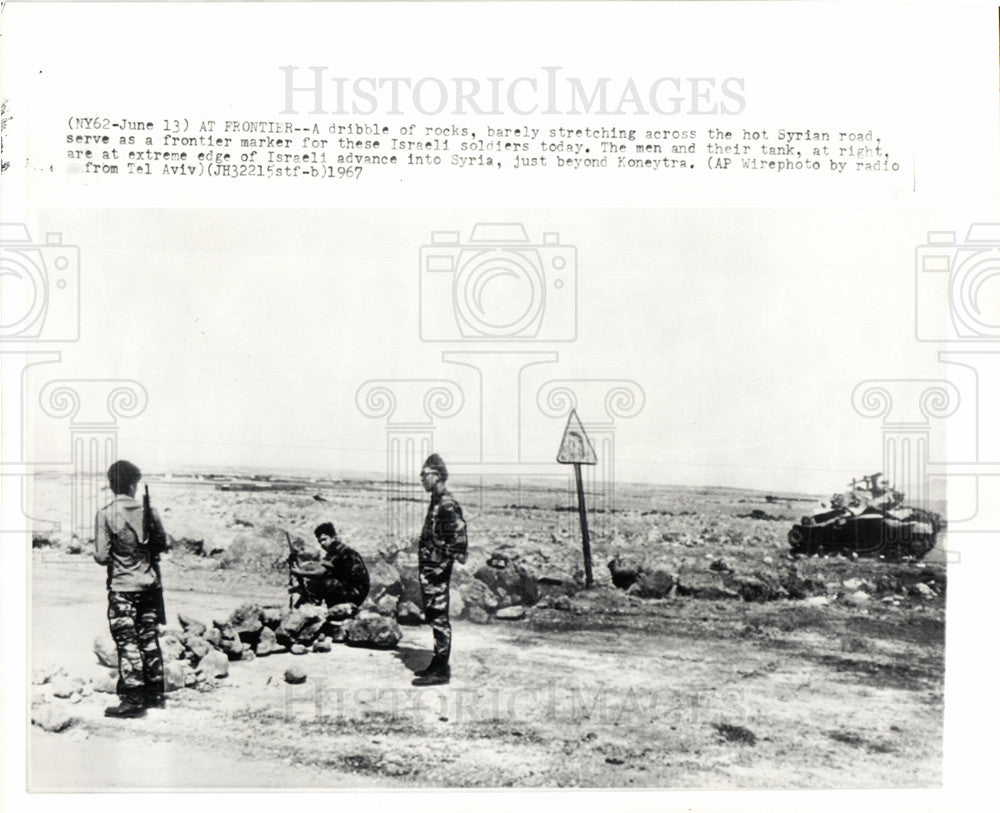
{"points": [[443, 528], [133, 596], [344, 580]]}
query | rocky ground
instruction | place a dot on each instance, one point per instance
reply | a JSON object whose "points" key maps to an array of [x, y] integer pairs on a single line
{"points": [[704, 656]]}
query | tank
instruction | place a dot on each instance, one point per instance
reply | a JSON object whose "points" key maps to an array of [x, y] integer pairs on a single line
{"points": [[871, 519]]}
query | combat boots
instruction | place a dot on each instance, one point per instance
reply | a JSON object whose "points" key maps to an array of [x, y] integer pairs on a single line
{"points": [[132, 704], [154, 697], [437, 673]]}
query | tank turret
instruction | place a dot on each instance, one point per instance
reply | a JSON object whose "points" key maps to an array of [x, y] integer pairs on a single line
{"points": [[870, 519]]}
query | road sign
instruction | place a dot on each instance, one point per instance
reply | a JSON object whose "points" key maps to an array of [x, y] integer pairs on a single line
{"points": [[575, 446], [576, 449]]}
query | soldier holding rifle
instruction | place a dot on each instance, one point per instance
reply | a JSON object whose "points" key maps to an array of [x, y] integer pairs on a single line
{"points": [[129, 538]]}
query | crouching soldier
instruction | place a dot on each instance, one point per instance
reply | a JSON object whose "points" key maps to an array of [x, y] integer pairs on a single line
{"points": [[443, 541], [128, 540], [340, 577]]}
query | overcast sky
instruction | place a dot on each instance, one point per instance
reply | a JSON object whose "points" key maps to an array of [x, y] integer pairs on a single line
{"points": [[744, 332]]}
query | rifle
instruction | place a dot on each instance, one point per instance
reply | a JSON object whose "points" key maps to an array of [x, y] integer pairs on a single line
{"points": [[291, 561], [155, 539]]}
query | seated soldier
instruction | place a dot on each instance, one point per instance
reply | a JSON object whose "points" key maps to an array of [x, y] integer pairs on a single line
{"points": [[340, 577]]}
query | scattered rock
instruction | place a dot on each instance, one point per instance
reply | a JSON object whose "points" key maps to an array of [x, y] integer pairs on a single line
{"points": [[373, 630], [198, 647], [410, 578], [63, 687], [756, 513], [291, 625], [298, 649], [310, 632], [857, 597], [50, 717], [654, 583], [712, 592], [387, 605], [758, 588], [720, 566], [106, 651], [736, 733], [295, 675], [171, 648], [246, 618], [214, 665], [322, 645], [410, 614], [625, 571], [798, 586], [106, 683], [267, 643], [247, 655], [214, 637], [46, 539], [338, 612], [270, 617], [477, 615], [233, 648], [923, 591], [508, 579], [191, 625], [336, 631], [479, 594], [515, 613], [314, 612], [816, 601], [193, 547], [383, 579], [173, 675], [224, 627]]}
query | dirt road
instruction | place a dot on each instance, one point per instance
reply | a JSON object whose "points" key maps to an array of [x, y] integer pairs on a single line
{"points": [[668, 693]]}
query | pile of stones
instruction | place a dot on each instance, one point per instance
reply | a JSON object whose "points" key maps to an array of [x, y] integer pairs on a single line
{"points": [[498, 586], [196, 655]]}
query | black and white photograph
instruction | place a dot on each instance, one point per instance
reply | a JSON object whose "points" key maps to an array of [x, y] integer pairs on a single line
{"points": [[451, 411]]}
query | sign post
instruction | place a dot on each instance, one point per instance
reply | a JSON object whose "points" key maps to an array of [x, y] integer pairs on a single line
{"points": [[577, 450]]}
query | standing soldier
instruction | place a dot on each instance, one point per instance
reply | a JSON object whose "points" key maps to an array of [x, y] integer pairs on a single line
{"points": [[134, 591], [442, 542]]}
